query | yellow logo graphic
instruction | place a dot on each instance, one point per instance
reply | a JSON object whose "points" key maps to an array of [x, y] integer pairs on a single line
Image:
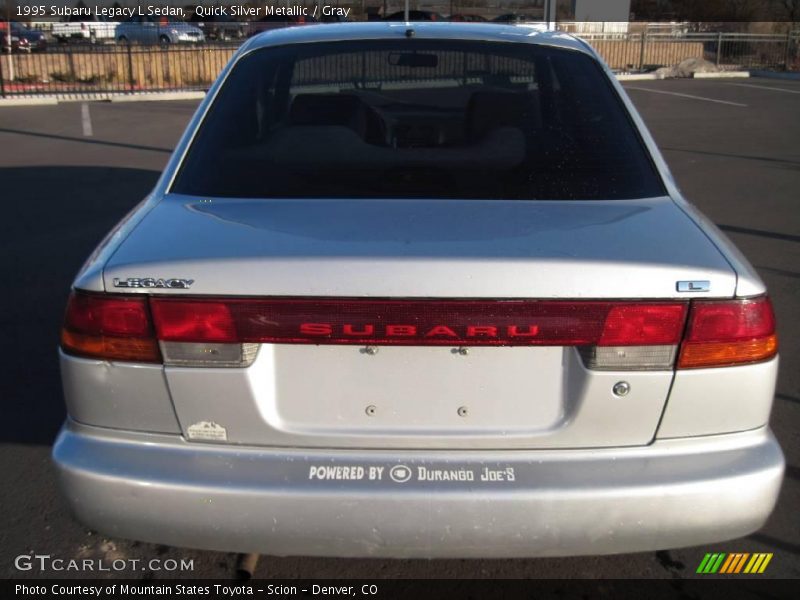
{"points": [[735, 562]]}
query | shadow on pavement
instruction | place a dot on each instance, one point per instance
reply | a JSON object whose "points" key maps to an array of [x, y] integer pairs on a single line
{"points": [[775, 544], [85, 140], [786, 237], [787, 163], [52, 219]]}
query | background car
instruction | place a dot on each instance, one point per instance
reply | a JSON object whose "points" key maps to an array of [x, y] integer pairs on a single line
{"points": [[415, 15], [23, 39], [220, 27], [465, 18], [511, 18], [270, 22], [36, 38], [333, 18], [154, 30], [82, 28], [9, 43]]}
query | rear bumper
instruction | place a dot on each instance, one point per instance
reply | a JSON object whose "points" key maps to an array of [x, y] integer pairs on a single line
{"points": [[673, 493]]}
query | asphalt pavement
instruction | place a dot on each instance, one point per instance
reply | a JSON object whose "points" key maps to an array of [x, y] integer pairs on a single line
{"points": [[69, 172]]}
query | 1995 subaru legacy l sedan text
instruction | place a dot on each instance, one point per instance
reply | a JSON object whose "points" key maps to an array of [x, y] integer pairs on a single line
{"points": [[418, 290]]}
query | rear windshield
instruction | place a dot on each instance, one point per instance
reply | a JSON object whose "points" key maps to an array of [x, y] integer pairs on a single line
{"points": [[413, 118]]}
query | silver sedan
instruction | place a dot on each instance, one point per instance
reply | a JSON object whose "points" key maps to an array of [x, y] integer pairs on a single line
{"points": [[418, 290]]}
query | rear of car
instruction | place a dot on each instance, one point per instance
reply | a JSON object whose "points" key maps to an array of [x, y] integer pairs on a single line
{"points": [[278, 21], [78, 27], [22, 39], [418, 291], [148, 30], [220, 28], [415, 16]]}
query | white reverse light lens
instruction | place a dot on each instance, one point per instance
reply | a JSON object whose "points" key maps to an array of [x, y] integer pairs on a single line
{"points": [[186, 354], [628, 358]]}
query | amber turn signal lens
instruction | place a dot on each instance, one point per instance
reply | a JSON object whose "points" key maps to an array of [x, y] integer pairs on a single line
{"points": [[722, 354], [725, 333], [110, 348], [109, 328]]}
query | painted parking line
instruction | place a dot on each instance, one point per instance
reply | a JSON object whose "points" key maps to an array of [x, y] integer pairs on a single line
{"points": [[703, 98], [766, 87], [86, 120]]}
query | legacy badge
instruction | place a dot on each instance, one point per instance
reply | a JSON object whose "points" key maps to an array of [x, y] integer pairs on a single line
{"points": [[151, 282]]}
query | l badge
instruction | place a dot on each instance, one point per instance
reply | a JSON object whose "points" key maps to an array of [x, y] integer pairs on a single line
{"points": [[694, 286]]}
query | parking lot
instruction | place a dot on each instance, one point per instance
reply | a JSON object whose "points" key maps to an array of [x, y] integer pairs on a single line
{"points": [[69, 172]]}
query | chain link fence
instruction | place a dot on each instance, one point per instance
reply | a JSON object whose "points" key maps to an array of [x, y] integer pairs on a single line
{"points": [[100, 70], [647, 51]]}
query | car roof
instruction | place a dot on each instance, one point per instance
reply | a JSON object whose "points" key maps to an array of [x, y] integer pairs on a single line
{"points": [[488, 32]]}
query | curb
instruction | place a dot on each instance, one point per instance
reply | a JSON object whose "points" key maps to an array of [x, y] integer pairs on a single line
{"points": [[723, 75], [654, 77], [636, 77], [159, 96], [775, 75], [141, 97], [28, 101]]}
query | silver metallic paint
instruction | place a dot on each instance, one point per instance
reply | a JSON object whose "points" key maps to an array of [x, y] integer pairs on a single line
{"points": [[161, 488], [565, 502], [423, 248], [315, 396], [119, 395], [709, 401]]}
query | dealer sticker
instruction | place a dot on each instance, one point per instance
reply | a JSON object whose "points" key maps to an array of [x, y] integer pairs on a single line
{"points": [[404, 473], [207, 431]]}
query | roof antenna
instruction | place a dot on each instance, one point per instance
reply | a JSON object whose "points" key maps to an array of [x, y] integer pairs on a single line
{"points": [[405, 14]]}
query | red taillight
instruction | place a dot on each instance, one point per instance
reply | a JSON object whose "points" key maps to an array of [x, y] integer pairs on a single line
{"points": [[195, 321], [719, 333], [419, 322], [722, 333], [643, 325], [109, 327]]}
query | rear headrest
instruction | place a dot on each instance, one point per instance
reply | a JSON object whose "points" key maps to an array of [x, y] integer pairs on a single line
{"points": [[337, 109], [324, 109], [490, 110]]}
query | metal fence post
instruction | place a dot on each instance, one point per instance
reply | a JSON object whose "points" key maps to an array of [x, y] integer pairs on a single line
{"points": [[131, 81], [2, 82], [719, 47], [787, 53], [641, 52], [72, 82]]}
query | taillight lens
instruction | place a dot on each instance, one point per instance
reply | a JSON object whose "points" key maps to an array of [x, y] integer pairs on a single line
{"points": [[611, 335], [723, 333], [109, 327], [195, 321], [643, 324], [418, 322]]}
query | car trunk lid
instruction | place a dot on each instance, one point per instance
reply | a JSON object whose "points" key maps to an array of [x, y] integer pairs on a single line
{"points": [[432, 391], [430, 248]]}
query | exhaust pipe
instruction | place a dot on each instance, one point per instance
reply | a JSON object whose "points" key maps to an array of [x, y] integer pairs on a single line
{"points": [[246, 566]]}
